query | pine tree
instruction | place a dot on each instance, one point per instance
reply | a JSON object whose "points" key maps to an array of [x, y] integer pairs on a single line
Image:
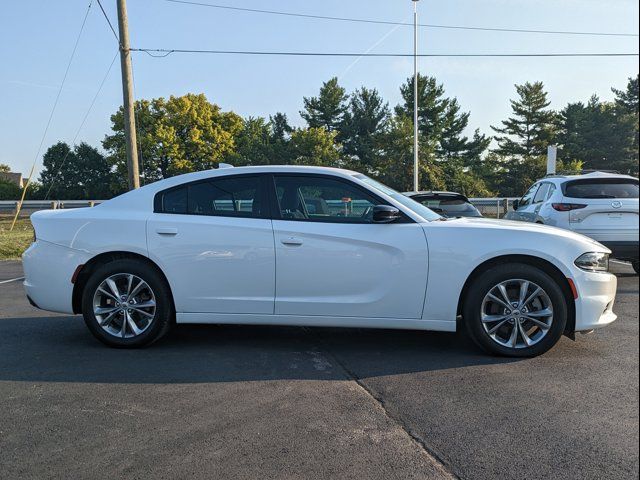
{"points": [[627, 100], [532, 128], [601, 135], [627, 109], [432, 108], [453, 143], [328, 109], [280, 127], [364, 123]]}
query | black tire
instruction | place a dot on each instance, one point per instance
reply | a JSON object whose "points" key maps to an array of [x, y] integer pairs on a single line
{"points": [[483, 285], [154, 328], [636, 265]]}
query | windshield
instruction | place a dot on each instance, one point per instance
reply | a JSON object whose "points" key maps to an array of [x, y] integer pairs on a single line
{"points": [[412, 205]]}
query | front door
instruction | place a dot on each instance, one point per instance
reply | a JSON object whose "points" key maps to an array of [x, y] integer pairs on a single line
{"points": [[527, 208], [214, 241], [332, 260]]}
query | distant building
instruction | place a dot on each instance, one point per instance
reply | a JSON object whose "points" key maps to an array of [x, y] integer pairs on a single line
{"points": [[13, 178]]}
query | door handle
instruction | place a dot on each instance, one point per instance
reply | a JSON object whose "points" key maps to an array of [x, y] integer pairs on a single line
{"points": [[291, 241], [166, 231]]}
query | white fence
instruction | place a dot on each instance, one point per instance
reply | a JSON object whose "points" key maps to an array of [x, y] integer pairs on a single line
{"points": [[489, 207]]}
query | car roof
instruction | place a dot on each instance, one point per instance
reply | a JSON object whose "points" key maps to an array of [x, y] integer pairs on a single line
{"points": [[559, 179], [229, 170], [142, 197]]}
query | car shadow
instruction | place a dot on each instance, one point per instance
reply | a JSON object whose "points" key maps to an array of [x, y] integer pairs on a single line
{"points": [[60, 349]]}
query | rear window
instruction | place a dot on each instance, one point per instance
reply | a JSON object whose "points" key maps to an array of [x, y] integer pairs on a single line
{"points": [[228, 196], [451, 204], [601, 188]]}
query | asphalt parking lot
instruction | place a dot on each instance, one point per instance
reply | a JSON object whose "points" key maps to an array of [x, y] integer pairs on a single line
{"points": [[296, 403]]}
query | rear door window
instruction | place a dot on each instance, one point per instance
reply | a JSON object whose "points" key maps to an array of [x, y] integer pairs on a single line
{"points": [[602, 188], [228, 196]]}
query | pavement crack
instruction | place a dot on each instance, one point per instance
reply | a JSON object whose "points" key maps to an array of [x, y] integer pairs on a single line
{"points": [[438, 462]]}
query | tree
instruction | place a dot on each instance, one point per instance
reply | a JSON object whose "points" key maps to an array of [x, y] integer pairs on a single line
{"points": [[81, 173], [444, 148], [532, 128], [627, 100], [253, 144], [280, 128], [432, 108], [4, 168], [314, 146], [178, 135], [328, 109], [365, 123], [627, 108], [600, 135], [453, 144], [394, 166], [9, 190]]}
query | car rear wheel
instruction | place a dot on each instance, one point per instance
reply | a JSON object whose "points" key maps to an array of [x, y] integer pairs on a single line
{"points": [[515, 310], [127, 303]]}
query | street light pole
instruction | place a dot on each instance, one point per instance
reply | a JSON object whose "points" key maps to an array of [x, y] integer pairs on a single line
{"points": [[416, 163]]}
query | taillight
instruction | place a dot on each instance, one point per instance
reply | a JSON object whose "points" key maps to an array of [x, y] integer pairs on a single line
{"points": [[567, 207]]}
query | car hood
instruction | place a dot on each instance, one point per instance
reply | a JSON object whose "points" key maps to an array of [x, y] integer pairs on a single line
{"points": [[545, 231]]}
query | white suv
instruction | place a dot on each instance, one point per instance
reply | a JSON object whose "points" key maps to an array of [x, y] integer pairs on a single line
{"points": [[599, 205]]}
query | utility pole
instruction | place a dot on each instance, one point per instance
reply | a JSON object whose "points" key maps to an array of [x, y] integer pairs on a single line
{"points": [[128, 100], [416, 162]]}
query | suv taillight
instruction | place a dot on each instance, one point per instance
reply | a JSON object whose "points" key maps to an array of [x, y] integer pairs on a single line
{"points": [[567, 207]]}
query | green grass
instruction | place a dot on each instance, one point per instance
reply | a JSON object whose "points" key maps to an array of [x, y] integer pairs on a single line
{"points": [[12, 244]]}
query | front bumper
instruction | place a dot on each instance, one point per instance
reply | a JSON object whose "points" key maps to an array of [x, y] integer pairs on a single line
{"points": [[596, 297], [48, 269]]}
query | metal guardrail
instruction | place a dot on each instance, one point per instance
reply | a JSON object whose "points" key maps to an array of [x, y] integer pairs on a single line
{"points": [[490, 207], [30, 206]]}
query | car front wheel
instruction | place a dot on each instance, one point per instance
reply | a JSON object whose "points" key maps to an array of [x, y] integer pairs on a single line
{"points": [[515, 310], [127, 303]]}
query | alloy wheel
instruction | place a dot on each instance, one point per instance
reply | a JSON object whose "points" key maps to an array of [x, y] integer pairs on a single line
{"points": [[516, 313], [124, 305]]}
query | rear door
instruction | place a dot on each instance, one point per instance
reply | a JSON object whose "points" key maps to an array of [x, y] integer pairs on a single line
{"points": [[608, 208], [332, 260], [214, 241]]}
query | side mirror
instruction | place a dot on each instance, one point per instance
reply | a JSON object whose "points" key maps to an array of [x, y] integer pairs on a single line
{"points": [[385, 214], [516, 204]]}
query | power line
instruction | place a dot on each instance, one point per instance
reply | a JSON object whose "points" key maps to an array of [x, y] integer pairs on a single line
{"points": [[53, 109], [386, 22], [84, 119], [106, 17], [163, 52]]}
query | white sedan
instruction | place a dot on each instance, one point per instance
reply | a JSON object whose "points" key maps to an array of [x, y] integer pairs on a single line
{"points": [[315, 247]]}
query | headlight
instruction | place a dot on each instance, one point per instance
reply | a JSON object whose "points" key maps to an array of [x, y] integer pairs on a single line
{"points": [[593, 262]]}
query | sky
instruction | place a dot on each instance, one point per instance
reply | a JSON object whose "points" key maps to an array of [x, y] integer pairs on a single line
{"points": [[37, 37]]}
